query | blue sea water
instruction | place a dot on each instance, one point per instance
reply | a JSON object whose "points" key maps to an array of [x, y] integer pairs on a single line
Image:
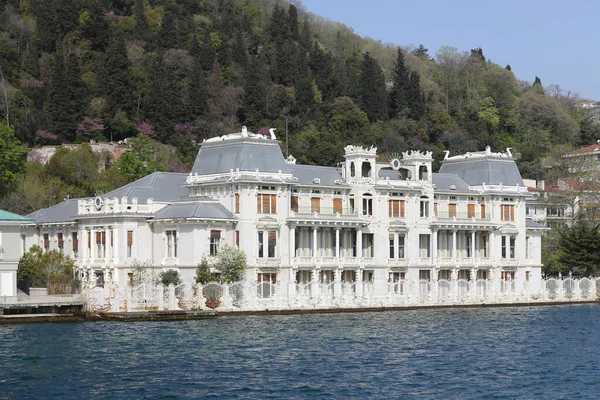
{"points": [[491, 353]]}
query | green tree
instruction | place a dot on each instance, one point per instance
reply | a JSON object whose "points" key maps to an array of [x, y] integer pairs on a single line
{"points": [[113, 78], [169, 277], [231, 263], [141, 20], [204, 274], [401, 86], [371, 88], [579, 248], [12, 158], [38, 267], [142, 160], [78, 167]]}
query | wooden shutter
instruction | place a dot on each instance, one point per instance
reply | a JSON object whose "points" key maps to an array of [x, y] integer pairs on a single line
{"points": [[337, 206], [512, 213], [294, 203], [401, 208], [273, 204], [60, 241], [471, 210], [103, 236], [315, 204], [483, 211], [259, 203], [452, 210], [266, 206], [272, 238], [46, 241], [237, 238], [75, 241], [237, 203], [215, 234], [129, 238], [98, 238], [89, 241], [111, 238]]}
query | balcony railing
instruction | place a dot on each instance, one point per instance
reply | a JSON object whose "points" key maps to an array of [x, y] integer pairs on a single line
{"points": [[463, 216], [324, 211]]}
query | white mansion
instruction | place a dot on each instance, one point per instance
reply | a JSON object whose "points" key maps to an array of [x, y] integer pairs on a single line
{"points": [[362, 221]]}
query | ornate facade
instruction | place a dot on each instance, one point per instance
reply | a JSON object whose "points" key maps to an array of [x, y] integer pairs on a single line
{"points": [[364, 221]]}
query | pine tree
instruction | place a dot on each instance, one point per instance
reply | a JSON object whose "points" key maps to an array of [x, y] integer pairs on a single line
{"points": [[255, 92], [67, 13], [305, 94], [141, 20], [292, 22], [168, 31], [321, 66], [305, 38], [48, 26], [65, 97], [197, 92], [399, 103], [421, 51], [113, 79], [207, 53], [537, 86], [371, 87], [95, 27], [277, 28], [240, 54], [415, 97]]}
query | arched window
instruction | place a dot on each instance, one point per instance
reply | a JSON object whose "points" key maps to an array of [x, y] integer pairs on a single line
{"points": [[424, 207], [352, 170], [422, 172], [366, 169], [367, 204]]}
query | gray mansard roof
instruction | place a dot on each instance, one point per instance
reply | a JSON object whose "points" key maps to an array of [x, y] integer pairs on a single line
{"points": [[449, 183], [197, 210], [160, 186], [62, 212], [247, 154], [489, 170], [326, 175]]}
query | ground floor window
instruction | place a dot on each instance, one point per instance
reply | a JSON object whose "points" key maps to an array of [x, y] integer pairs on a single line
{"points": [[215, 241], [424, 275], [266, 282]]}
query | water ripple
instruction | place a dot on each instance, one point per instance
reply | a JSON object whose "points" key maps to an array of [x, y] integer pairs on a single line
{"points": [[496, 353]]}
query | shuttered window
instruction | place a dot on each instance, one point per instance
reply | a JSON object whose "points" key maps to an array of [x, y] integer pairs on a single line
{"points": [[294, 203], [129, 242], [315, 204], [61, 242], [237, 203], [508, 212], [215, 241], [396, 208], [237, 238], [483, 211], [452, 210], [337, 206], [46, 242], [266, 203], [272, 243], [471, 210], [75, 241]]}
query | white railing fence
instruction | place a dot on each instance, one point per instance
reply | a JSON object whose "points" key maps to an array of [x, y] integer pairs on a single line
{"points": [[254, 296]]}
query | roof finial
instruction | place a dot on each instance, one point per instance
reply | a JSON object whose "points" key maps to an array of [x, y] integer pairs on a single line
{"points": [[244, 131], [272, 132]]}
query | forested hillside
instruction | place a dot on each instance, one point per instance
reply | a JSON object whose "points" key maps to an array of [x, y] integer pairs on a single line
{"points": [[179, 72]]}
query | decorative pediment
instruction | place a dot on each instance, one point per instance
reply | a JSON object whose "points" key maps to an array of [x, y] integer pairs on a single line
{"points": [[509, 229]]}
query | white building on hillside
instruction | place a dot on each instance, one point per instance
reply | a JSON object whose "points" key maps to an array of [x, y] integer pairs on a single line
{"points": [[363, 221]]}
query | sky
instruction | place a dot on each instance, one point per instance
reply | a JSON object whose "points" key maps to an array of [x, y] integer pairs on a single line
{"points": [[555, 40]]}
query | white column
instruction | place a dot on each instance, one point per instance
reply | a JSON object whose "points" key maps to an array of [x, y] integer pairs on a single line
{"points": [[106, 242], [337, 243], [314, 242], [473, 245], [454, 249], [115, 248], [359, 242], [292, 244], [434, 244]]}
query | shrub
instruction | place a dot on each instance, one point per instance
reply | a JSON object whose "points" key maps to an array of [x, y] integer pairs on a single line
{"points": [[170, 277]]}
